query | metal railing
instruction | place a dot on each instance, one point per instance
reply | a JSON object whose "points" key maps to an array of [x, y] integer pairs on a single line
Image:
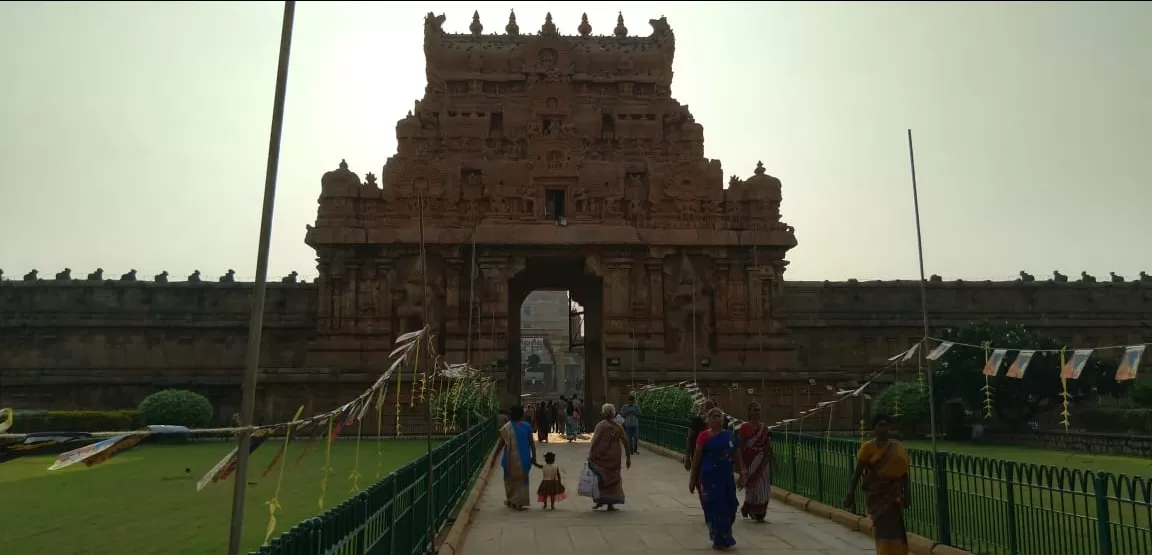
{"points": [[391, 516], [978, 504]]}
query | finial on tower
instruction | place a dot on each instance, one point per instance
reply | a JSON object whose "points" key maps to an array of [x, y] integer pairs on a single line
{"points": [[476, 27], [585, 28], [512, 28], [343, 164], [759, 168], [548, 28], [620, 30]]}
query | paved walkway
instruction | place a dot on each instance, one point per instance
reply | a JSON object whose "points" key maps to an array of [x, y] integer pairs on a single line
{"points": [[660, 517]]}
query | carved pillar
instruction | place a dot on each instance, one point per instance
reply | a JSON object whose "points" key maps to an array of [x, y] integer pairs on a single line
{"points": [[655, 325], [324, 292], [349, 299], [616, 296], [382, 295], [452, 323]]}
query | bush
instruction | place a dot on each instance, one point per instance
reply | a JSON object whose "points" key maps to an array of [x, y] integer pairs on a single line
{"points": [[25, 422], [667, 402], [1141, 393], [913, 413], [176, 407], [1116, 421]]}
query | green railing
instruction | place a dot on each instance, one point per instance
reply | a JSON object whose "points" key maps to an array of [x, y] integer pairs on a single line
{"points": [[973, 503], [391, 516]]}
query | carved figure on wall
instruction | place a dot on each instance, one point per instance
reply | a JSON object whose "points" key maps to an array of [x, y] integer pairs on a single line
{"points": [[408, 291], [1, 274], [1025, 276], [66, 275], [98, 275], [130, 276], [162, 277], [1144, 277], [688, 298], [32, 276], [1058, 277], [290, 278], [935, 279], [194, 277], [1116, 278], [230, 277], [1087, 278]]}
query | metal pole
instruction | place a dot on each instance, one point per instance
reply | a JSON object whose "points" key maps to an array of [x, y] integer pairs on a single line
{"points": [[428, 370], [923, 293], [256, 319]]}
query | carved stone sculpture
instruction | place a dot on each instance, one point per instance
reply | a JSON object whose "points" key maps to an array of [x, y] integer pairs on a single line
{"points": [[162, 277], [408, 291], [66, 275], [98, 275], [1, 274], [229, 277], [32, 276], [290, 278], [935, 279], [130, 276], [1116, 278], [1026, 277], [194, 277], [1058, 277], [688, 298], [1086, 278], [1144, 277]]}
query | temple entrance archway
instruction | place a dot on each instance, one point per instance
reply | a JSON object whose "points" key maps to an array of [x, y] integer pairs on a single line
{"points": [[547, 273]]}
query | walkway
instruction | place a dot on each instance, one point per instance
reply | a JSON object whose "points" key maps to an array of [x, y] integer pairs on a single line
{"points": [[660, 517]]}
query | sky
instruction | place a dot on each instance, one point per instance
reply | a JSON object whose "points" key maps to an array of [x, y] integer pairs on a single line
{"points": [[135, 136]]}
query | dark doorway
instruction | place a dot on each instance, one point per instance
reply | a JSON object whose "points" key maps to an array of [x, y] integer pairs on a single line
{"points": [[553, 276]]}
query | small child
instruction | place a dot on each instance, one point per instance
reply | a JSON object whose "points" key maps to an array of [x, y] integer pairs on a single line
{"points": [[551, 488]]}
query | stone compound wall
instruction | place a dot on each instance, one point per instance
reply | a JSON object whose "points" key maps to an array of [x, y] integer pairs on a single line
{"points": [[107, 344]]}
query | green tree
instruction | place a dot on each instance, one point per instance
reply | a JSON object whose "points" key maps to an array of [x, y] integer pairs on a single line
{"points": [[176, 407], [907, 402], [1015, 401]]}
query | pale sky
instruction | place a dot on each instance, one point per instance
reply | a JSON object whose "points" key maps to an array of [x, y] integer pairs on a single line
{"points": [[135, 135]]}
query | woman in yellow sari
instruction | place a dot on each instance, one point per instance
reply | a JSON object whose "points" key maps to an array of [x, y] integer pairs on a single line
{"points": [[883, 464]]}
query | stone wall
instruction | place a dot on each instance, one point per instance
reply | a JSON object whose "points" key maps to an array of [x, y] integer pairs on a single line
{"points": [[107, 344], [1083, 442], [74, 344]]}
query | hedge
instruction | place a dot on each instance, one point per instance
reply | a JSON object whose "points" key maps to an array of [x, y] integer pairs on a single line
{"points": [[74, 421]]}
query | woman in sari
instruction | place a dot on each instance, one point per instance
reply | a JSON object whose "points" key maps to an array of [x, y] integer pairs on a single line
{"points": [[543, 423], [570, 430], [883, 464], [609, 442], [518, 454], [712, 466], [754, 448], [698, 424]]}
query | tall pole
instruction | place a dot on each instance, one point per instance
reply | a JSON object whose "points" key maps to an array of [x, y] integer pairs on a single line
{"points": [[256, 319], [923, 293], [428, 370]]}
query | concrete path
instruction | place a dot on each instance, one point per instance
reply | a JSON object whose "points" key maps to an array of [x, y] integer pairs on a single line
{"points": [[660, 518]]}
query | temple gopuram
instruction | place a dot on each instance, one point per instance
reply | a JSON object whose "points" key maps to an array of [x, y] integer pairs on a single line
{"points": [[535, 161], [555, 161]]}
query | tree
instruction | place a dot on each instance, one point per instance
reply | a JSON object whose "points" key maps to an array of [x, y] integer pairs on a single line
{"points": [[1015, 401]]}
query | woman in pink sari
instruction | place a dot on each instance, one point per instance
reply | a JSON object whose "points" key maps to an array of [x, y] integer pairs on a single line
{"points": [[755, 449]]}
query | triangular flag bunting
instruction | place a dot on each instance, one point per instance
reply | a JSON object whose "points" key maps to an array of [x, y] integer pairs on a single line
{"points": [[1129, 363], [1020, 364], [1075, 364], [993, 365], [939, 350]]}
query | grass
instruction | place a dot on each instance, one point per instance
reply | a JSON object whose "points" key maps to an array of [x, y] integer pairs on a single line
{"points": [[1115, 464], [142, 501]]}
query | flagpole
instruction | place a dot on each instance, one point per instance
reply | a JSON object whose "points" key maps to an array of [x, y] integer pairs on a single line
{"points": [[923, 294], [256, 318], [429, 370]]}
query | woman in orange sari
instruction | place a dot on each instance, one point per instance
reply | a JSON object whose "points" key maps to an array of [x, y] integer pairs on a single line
{"points": [[883, 464]]}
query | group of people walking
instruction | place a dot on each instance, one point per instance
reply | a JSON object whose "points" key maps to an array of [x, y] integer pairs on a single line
{"points": [[720, 462], [561, 417]]}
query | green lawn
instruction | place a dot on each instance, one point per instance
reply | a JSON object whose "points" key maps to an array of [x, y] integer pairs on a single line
{"points": [[1115, 464], [142, 502]]}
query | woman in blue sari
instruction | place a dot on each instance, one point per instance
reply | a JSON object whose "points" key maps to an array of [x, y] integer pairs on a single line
{"points": [[518, 454], [712, 467]]}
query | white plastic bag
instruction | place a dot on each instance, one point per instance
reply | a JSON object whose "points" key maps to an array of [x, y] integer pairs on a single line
{"points": [[588, 486]]}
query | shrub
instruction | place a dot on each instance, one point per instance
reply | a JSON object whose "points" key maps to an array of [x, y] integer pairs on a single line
{"points": [[913, 413], [667, 402], [1141, 393], [176, 407], [1115, 420], [25, 422]]}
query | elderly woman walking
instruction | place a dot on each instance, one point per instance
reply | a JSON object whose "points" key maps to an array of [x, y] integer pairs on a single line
{"points": [[609, 442], [518, 454]]}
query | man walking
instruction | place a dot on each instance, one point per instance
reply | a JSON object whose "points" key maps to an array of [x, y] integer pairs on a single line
{"points": [[632, 414]]}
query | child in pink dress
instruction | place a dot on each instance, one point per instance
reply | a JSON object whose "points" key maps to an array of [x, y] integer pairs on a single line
{"points": [[551, 487]]}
